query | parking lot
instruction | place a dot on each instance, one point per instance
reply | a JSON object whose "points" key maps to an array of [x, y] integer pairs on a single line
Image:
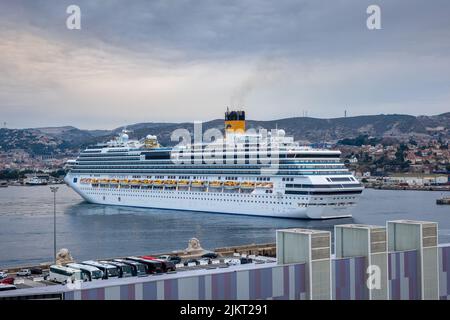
{"points": [[187, 264]]}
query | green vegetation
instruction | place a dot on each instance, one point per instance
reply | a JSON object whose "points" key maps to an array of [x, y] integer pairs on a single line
{"points": [[58, 173], [9, 174], [359, 141]]}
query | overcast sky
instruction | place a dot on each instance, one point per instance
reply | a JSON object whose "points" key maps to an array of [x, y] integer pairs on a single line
{"points": [[184, 60]]}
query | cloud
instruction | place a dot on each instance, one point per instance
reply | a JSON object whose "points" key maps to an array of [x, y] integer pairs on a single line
{"points": [[186, 60]]}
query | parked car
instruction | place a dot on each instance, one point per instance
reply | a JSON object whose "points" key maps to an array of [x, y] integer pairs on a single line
{"points": [[246, 260], [232, 262], [191, 261], [173, 259], [168, 266], [3, 275], [164, 257], [36, 271], [205, 260], [210, 255], [9, 280], [24, 273]]}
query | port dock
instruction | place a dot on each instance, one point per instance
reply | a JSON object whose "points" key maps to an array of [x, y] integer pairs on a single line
{"points": [[409, 259]]}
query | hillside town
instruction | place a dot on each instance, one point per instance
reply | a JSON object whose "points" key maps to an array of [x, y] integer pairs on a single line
{"points": [[17, 165], [414, 164], [423, 163], [379, 149], [379, 159]]}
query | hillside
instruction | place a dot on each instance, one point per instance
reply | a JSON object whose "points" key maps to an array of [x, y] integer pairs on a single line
{"points": [[322, 130], [313, 130]]}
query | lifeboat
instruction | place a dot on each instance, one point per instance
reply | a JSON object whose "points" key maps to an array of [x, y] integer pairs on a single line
{"points": [[197, 183], [157, 182], [264, 185], [215, 184], [104, 180], [94, 181], [170, 183], [231, 184], [114, 181], [183, 182], [248, 185], [146, 181]]}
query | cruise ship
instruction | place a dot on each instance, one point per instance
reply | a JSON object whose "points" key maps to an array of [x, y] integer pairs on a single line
{"points": [[247, 172]]}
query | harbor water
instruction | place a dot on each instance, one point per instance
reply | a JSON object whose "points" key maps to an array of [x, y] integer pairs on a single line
{"points": [[94, 231]]}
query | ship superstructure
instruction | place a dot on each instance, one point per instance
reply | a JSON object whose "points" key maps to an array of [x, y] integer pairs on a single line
{"points": [[264, 173]]}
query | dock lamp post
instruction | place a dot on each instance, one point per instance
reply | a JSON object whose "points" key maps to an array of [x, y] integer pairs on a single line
{"points": [[54, 190]]}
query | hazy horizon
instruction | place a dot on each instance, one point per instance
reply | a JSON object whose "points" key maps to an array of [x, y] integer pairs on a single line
{"points": [[179, 61], [62, 125]]}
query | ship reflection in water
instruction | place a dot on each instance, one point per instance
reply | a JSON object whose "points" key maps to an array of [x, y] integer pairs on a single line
{"points": [[96, 231]]}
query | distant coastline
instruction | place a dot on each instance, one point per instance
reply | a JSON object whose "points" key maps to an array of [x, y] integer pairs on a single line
{"points": [[445, 188]]}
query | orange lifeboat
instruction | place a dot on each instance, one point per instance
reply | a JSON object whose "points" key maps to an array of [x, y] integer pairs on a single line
{"points": [[197, 183], [231, 184], [170, 183], [215, 184], [248, 185], [183, 182]]}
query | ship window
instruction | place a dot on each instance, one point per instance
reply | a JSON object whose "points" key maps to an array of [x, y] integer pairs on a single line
{"points": [[75, 180]]}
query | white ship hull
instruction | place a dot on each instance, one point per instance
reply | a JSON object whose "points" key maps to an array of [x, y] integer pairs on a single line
{"points": [[246, 173], [254, 204]]}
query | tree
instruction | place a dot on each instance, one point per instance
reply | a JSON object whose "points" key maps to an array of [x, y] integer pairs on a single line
{"points": [[9, 174]]}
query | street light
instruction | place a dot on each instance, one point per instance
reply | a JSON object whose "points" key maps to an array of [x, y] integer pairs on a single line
{"points": [[54, 190]]}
